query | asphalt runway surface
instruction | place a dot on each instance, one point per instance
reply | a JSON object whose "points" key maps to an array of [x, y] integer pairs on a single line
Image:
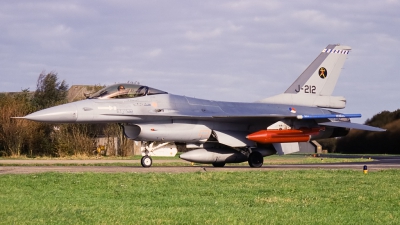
{"points": [[379, 163]]}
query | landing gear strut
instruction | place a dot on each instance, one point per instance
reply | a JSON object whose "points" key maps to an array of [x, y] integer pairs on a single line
{"points": [[146, 161], [153, 148], [256, 159]]}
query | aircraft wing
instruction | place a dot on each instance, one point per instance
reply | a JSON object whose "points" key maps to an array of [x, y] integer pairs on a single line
{"points": [[239, 117], [280, 116], [321, 116]]}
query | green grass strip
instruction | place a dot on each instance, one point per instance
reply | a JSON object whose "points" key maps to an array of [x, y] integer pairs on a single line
{"points": [[271, 197]]}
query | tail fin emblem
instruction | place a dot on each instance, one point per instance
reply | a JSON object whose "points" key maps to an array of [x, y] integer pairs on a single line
{"points": [[323, 73]]}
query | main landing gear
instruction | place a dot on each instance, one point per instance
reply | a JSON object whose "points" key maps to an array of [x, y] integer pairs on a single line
{"points": [[218, 164], [146, 161], [256, 159]]}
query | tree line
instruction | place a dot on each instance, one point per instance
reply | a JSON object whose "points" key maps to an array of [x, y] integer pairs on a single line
{"points": [[23, 137], [365, 142]]}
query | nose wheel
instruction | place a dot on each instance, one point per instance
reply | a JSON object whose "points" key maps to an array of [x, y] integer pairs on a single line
{"points": [[146, 161]]}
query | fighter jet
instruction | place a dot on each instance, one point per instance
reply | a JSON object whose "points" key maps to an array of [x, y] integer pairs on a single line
{"points": [[222, 132]]}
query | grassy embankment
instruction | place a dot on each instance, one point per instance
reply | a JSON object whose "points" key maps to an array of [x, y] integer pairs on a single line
{"points": [[272, 197]]}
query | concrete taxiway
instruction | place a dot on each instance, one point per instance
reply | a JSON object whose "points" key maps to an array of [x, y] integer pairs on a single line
{"points": [[379, 163]]}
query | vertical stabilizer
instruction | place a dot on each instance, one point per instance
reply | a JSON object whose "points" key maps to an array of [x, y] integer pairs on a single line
{"points": [[314, 87], [321, 75]]}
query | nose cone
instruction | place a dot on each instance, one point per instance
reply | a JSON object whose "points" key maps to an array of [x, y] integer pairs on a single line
{"points": [[66, 113]]}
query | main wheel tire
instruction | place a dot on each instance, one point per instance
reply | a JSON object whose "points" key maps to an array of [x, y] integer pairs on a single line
{"points": [[146, 161], [256, 160], [218, 164]]}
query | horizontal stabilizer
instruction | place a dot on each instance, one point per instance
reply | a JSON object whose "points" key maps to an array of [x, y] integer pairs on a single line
{"points": [[351, 126]]}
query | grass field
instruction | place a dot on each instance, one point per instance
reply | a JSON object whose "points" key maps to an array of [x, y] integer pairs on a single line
{"points": [[272, 197]]}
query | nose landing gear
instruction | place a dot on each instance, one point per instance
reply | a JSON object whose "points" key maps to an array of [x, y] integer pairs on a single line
{"points": [[146, 161]]}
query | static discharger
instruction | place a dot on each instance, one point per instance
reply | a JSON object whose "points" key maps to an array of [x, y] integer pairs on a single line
{"points": [[283, 136]]}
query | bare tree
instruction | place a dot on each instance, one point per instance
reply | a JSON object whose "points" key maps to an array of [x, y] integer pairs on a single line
{"points": [[14, 132]]}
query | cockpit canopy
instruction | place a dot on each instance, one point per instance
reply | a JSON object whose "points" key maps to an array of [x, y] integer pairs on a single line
{"points": [[125, 91]]}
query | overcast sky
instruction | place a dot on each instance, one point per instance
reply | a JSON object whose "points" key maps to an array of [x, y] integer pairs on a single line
{"points": [[220, 50]]}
